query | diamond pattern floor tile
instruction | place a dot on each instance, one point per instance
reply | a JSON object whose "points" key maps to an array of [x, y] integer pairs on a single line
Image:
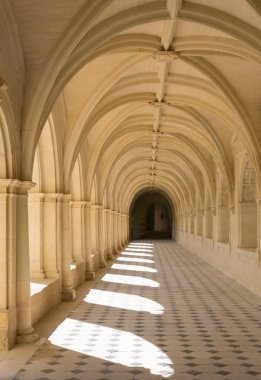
{"points": [[166, 315]]}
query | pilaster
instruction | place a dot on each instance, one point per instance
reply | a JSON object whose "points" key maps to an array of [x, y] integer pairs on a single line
{"points": [[89, 268], [36, 231], [68, 291], [107, 233], [15, 301]]}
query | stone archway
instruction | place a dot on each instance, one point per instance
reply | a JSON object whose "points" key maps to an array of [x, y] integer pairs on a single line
{"points": [[151, 217]]}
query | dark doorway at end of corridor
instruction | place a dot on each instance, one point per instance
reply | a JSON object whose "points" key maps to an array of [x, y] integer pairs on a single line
{"points": [[151, 217]]}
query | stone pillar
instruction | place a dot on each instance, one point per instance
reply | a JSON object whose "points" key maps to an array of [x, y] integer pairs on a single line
{"points": [[36, 244], [123, 230], [78, 209], [115, 233], [15, 301], [105, 233], [45, 234], [128, 229], [51, 237], [101, 237], [68, 291], [118, 232], [259, 230], [8, 226], [25, 332], [108, 233], [89, 260], [123, 221], [111, 231], [97, 235], [94, 235]]}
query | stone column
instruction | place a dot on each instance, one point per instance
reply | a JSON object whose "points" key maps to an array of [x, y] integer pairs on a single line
{"points": [[25, 332], [89, 264], [119, 231], [51, 237], [15, 300], [94, 235], [123, 230], [108, 233], [126, 229], [36, 223], [45, 235], [101, 237], [97, 235], [115, 233], [8, 227], [259, 230], [78, 230], [105, 233], [68, 291]]}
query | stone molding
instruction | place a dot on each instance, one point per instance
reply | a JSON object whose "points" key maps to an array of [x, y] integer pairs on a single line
{"points": [[96, 207], [15, 186], [64, 198], [78, 204], [166, 56], [157, 104]]}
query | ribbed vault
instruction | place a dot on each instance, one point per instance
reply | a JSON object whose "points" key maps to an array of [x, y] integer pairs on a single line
{"points": [[154, 101], [104, 100]]}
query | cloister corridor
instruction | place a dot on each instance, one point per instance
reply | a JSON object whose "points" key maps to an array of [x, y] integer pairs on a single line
{"points": [[157, 311]]}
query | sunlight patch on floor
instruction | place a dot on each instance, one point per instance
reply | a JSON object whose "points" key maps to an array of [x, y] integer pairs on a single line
{"points": [[142, 244], [124, 301], [114, 345], [137, 268], [135, 260], [141, 254], [130, 280], [138, 249]]}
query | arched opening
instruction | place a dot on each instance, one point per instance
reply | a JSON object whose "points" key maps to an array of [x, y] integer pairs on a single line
{"points": [[151, 217]]}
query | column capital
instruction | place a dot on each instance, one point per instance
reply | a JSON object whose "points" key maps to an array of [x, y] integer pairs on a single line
{"points": [[96, 207], [78, 204], [36, 197], [15, 186], [64, 198], [51, 197]]}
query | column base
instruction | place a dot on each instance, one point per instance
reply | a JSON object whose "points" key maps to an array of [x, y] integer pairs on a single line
{"points": [[68, 295], [110, 256], [27, 338], [102, 264], [90, 276]]}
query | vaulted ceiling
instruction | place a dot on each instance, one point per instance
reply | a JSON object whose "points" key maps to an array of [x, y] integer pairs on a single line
{"points": [[154, 93]]}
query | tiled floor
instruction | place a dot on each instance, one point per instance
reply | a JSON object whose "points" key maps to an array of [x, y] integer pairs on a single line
{"points": [[159, 312]]}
